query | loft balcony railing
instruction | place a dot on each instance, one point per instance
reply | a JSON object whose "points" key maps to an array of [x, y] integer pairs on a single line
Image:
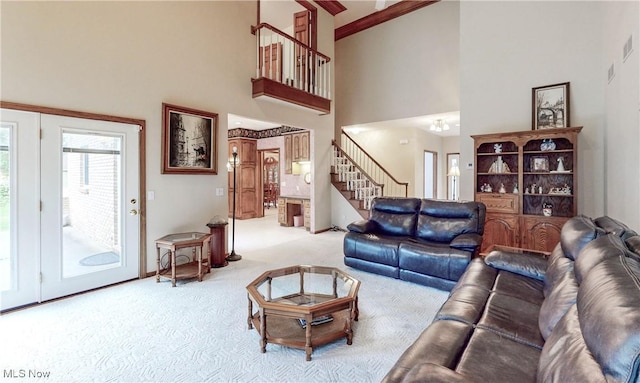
{"points": [[285, 61]]}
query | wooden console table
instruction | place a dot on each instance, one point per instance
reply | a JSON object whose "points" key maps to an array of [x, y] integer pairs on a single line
{"points": [[173, 242]]}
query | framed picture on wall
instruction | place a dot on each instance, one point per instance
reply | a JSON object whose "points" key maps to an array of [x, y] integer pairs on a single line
{"points": [[189, 143], [550, 106]]}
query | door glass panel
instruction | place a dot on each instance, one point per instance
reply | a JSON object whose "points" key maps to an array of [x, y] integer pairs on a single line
{"points": [[91, 197], [6, 259], [429, 175]]}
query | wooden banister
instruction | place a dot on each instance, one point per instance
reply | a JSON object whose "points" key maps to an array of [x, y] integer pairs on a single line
{"points": [[364, 173], [374, 160]]}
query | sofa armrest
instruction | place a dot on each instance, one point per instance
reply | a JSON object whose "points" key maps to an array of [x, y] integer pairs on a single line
{"points": [[434, 373], [364, 226], [467, 241], [530, 264]]}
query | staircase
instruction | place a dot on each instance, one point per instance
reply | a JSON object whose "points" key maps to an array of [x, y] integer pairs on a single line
{"points": [[359, 178]]}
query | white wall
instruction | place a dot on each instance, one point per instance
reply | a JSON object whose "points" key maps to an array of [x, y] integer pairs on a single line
{"points": [[405, 67], [507, 48], [622, 137], [127, 58]]}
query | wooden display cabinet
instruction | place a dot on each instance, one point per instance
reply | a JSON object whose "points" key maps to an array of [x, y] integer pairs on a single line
{"points": [[528, 181]]}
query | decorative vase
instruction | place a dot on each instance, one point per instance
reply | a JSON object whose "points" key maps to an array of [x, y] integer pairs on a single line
{"points": [[547, 144]]}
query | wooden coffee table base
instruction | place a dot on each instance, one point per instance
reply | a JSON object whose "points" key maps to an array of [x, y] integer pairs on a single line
{"points": [[285, 296], [288, 331]]}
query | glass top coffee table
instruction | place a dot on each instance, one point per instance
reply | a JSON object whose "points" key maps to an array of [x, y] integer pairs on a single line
{"points": [[290, 298]]}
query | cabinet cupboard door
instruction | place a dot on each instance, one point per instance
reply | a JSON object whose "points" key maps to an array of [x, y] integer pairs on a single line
{"points": [[288, 155], [304, 147], [500, 230], [542, 234]]}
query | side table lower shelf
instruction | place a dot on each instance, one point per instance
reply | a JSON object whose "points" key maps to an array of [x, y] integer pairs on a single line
{"points": [[186, 270]]}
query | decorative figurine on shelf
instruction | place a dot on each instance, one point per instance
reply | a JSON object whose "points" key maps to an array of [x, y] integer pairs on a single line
{"points": [[540, 190], [499, 166], [547, 144], [486, 188], [547, 209], [526, 191], [565, 190], [515, 189], [560, 168], [497, 148], [502, 190]]}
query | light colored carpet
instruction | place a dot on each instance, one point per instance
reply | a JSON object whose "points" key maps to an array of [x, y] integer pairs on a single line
{"points": [[141, 331]]}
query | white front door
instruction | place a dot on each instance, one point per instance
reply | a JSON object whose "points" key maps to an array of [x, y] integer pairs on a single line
{"points": [[19, 208], [90, 203], [87, 231]]}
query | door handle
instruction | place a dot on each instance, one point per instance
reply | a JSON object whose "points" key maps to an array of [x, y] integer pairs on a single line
{"points": [[133, 212]]}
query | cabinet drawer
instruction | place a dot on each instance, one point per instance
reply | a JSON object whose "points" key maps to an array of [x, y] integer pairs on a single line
{"points": [[499, 203]]}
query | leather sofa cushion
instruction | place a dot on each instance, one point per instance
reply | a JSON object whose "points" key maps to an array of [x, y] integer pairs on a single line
{"points": [[633, 244], [478, 274], [395, 216], [441, 343], [565, 357], [526, 289], [465, 304], [435, 259], [558, 301], [609, 310], [615, 227], [608, 246], [576, 233], [490, 357], [372, 247], [442, 221], [557, 266], [513, 319], [528, 265], [433, 373]]}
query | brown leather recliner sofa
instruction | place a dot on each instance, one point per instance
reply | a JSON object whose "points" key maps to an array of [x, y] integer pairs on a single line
{"points": [[571, 317], [424, 241]]}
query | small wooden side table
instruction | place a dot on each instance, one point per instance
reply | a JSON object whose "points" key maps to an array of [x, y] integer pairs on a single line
{"points": [[218, 244], [173, 242]]}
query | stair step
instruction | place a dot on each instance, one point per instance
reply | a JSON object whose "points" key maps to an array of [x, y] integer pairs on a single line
{"points": [[348, 194]]}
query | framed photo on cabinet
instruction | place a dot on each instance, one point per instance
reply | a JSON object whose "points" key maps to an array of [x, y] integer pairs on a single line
{"points": [[189, 140], [550, 106], [540, 164]]}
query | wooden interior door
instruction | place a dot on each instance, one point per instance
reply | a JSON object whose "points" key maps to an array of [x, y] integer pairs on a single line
{"points": [[301, 29], [271, 57]]}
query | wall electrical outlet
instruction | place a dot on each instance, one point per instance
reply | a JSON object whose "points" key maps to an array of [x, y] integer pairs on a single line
{"points": [[469, 165], [219, 192]]}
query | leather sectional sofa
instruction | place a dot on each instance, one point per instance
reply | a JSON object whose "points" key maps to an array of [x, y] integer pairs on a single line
{"points": [[573, 316], [424, 241]]}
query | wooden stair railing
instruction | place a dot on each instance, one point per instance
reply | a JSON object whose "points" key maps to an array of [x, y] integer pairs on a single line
{"points": [[355, 185], [360, 178], [371, 167]]}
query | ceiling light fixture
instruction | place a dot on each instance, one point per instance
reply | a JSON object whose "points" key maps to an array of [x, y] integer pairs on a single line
{"points": [[439, 126]]}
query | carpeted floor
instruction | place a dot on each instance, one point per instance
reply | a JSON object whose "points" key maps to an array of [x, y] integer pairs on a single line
{"points": [[141, 331]]}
